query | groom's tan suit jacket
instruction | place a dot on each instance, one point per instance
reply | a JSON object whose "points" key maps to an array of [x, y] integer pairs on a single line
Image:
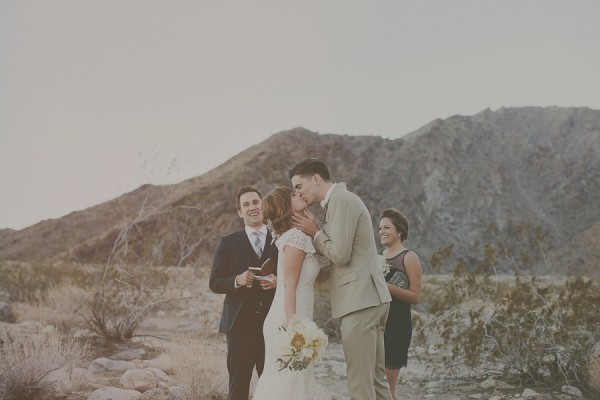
{"points": [[347, 239]]}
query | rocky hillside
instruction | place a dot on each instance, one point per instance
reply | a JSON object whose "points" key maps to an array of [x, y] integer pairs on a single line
{"points": [[451, 178]]}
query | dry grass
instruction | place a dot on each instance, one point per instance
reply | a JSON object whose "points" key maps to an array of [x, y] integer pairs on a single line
{"points": [[199, 368], [27, 359], [593, 368]]}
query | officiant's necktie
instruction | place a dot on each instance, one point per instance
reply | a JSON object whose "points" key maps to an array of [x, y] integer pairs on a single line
{"points": [[257, 244]]}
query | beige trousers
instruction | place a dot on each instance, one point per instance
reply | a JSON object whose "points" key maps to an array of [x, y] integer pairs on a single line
{"points": [[362, 339]]}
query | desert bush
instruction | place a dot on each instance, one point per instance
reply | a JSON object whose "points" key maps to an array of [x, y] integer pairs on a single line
{"points": [[29, 356], [122, 298], [527, 330], [198, 368], [31, 281], [130, 286]]}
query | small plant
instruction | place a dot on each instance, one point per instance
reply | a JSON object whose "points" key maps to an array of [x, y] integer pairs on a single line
{"points": [[198, 368], [28, 357], [123, 298]]}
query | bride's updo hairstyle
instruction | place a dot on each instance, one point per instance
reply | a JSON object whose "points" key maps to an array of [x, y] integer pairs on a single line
{"points": [[277, 209]]}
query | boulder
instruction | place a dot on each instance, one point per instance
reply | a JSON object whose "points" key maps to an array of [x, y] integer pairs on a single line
{"points": [[162, 362], [112, 393], [105, 364], [7, 313], [139, 379]]}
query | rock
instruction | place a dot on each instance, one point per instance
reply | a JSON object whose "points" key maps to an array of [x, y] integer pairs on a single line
{"points": [[151, 342], [83, 333], [105, 364], [155, 394], [112, 393], [65, 382], [162, 362], [129, 354], [572, 391], [178, 392], [529, 394], [163, 378], [7, 313], [191, 326], [139, 379], [432, 350], [488, 384], [48, 329]]}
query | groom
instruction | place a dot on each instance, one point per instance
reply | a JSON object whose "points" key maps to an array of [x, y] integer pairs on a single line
{"points": [[359, 294]]}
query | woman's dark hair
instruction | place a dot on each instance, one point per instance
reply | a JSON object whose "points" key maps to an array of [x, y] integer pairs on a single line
{"points": [[399, 221], [277, 209]]}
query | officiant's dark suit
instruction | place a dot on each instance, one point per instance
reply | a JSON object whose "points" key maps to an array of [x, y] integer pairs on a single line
{"points": [[244, 308]]}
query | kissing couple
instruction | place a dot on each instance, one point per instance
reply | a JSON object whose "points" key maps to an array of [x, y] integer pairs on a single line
{"points": [[254, 310]]}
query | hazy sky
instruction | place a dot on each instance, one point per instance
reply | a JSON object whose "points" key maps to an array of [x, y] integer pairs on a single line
{"points": [[99, 97]]}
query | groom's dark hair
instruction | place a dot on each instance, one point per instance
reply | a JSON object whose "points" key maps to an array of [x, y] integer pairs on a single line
{"points": [[308, 167]]}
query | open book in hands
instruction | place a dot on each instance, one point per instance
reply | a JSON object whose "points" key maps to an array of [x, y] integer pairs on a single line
{"points": [[267, 268]]}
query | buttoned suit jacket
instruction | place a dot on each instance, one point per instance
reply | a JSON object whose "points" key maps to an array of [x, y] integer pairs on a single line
{"points": [[347, 239], [233, 255]]}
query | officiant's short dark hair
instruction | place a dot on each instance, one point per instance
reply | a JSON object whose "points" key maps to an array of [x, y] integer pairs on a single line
{"points": [[246, 189], [308, 167]]}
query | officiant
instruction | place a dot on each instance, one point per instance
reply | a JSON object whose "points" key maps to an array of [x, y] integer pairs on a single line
{"points": [[247, 299]]}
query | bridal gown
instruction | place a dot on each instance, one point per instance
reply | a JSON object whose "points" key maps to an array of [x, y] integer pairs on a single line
{"points": [[290, 385]]}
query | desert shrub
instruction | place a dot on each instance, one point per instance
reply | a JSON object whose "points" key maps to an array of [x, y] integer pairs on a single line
{"points": [[198, 368], [529, 330], [122, 298], [27, 357], [31, 281], [593, 368]]}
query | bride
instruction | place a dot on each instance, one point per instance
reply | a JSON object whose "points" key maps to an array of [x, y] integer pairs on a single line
{"points": [[297, 270]]}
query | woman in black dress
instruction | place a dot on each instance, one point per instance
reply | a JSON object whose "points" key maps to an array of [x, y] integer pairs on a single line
{"points": [[393, 230]]}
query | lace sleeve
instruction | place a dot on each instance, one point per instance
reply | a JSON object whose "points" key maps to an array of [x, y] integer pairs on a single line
{"points": [[298, 239]]}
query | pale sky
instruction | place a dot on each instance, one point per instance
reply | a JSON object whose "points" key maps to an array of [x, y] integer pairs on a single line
{"points": [[99, 97]]}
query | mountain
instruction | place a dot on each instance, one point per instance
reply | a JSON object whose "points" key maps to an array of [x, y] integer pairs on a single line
{"points": [[452, 178]]}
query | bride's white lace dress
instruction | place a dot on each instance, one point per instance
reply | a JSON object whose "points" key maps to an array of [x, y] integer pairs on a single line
{"points": [[290, 385]]}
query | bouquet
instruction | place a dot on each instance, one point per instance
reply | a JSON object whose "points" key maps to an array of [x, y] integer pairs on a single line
{"points": [[385, 266], [300, 343]]}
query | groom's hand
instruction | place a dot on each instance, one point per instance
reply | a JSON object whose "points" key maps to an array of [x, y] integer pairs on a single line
{"points": [[305, 221]]}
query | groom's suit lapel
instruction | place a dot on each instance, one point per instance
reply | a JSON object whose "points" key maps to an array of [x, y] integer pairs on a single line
{"points": [[335, 191]]}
